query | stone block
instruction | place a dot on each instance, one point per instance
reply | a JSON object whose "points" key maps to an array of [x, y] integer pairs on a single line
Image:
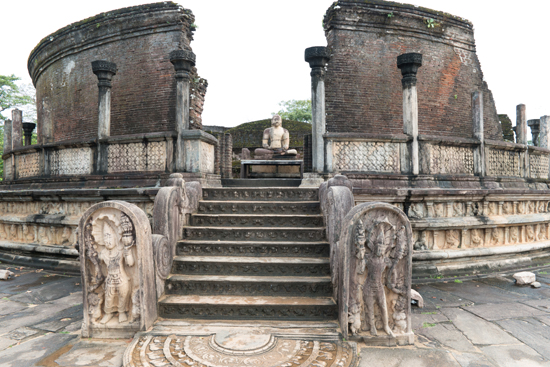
{"points": [[117, 267], [415, 296], [524, 277]]}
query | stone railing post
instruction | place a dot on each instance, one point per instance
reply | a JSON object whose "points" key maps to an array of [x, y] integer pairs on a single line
{"points": [[17, 128], [317, 57], [104, 70], [7, 136], [183, 61], [28, 128], [477, 115], [521, 125], [544, 137], [409, 64]]}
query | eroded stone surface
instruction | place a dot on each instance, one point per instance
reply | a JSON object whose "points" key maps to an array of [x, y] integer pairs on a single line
{"points": [[524, 277], [237, 350]]}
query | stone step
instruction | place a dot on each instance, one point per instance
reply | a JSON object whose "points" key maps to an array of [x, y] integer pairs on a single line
{"points": [[261, 182], [248, 308], [253, 248], [239, 285], [251, 266], [257, 220], [258, 207], [261, 194], [298, 234]]}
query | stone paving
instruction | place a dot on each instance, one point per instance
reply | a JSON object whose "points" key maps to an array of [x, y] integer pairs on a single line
{"points": [[476, 322]]}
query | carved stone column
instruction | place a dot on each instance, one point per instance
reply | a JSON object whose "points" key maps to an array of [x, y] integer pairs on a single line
{"points": [[521, 124], [534, 124], [17, 128], [183, 61], [318, 57], [477, 115], [544, 137], [28, 128], [409, 64], [104, 70]]}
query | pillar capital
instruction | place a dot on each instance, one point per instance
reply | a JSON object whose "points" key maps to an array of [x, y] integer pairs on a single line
{"points": [[104, 70], [317, 57], [409, 64], [28, 128], [183, 61]]}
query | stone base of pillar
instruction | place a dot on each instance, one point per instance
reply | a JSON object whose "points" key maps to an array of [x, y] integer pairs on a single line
{"points": [[312, 180], [199, 151]]}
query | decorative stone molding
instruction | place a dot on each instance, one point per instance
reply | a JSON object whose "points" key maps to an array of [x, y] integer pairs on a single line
{"points": [[117, 267], [28, 165], [365, 156], [375, 265], [72, 161], [504, 163], [135, 157], [447, 160]]}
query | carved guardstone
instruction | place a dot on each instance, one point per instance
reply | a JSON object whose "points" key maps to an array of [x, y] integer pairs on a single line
{"points": [[118, 274], [375, 272]]}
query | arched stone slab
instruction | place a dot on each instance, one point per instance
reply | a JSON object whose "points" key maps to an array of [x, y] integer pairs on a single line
{"points": [[375, 272], [118, 274]]}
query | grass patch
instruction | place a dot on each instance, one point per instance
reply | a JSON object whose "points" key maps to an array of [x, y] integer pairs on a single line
{"points": [[458, 281], [427, 325], [429, 313], [543, 272]]}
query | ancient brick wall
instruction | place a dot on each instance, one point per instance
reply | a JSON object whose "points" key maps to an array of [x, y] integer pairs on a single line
{"points": [[138, 39], [363, 83]]}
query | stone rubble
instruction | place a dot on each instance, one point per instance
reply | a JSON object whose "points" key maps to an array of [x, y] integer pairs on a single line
{"points": [[524, 278]]}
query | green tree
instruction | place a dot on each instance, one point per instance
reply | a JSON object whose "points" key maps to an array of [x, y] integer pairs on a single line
{"points": [[11, 95], [296, 110]]}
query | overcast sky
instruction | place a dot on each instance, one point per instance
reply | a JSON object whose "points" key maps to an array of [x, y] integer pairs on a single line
{"points": [[252, 51]]}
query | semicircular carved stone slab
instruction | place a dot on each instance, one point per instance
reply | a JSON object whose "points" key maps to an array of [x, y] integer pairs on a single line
{"points": [[117, 269], [265, 350], [375, 275]]}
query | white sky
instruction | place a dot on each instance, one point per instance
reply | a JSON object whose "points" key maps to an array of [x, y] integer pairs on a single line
{"points": [[251, 51]]}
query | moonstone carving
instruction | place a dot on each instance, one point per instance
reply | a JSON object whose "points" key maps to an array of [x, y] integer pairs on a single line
{"points": [[375, 274], [117, 270]]}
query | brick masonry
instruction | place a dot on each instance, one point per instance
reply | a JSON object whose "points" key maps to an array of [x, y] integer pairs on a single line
{"points": [[363, 83], [138, 39]]}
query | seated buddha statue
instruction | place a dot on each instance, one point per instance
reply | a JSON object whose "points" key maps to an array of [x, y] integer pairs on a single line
{"points": [[275, 141]]}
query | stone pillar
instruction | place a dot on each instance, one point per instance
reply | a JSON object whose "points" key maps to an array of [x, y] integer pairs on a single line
{"points": [[409, 64], [477, 115], [521, 125], [317, 57], [105, 71], [183, 61], [17, 128], [534, 124], [28, 128], [7, 136], [544, 137]]}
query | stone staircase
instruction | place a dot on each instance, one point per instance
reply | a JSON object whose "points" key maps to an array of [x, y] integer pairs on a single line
{"points": [[252, 254]]}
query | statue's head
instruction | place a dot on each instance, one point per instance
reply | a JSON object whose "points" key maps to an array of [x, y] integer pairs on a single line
{"points": [[276, 121]]}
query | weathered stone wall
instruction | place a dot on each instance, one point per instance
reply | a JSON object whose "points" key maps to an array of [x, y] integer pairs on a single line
{"points": [[138, 39], [363, 83]]}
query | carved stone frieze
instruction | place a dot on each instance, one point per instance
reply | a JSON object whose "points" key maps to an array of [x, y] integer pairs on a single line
{"points": [[257, 221], [375, 273], [156, 156], [160, 350], [72, 161], [258, 234], [213, 248], [38, 234], [260, 194], [503, 163], [28, 165], [440, 159], [366, 156], [221, 268], [117, 270], [127, 157], [175, 285], [538, 166], [206, 207]]}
